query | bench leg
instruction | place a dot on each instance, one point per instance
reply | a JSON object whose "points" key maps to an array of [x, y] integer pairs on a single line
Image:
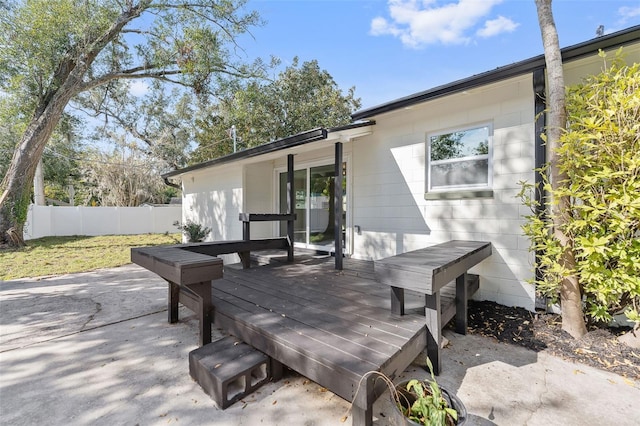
{"points": [[174, 297], [245, 259], [461, 304], [203, 290], [397, 300], [434, 328]]}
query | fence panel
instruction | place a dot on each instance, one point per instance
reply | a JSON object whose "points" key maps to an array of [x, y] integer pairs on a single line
{"points": [[45, 221]]}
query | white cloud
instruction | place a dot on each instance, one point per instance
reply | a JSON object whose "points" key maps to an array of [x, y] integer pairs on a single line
{"points": [[418, 23], [627, 13], [138, 87], [497, 26]]}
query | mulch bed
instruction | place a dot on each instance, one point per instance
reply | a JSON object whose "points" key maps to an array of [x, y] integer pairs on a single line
{"points": [[540, 331]]}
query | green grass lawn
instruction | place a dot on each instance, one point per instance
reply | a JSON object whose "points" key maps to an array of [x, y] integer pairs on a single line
{"points": [[64, 255]]}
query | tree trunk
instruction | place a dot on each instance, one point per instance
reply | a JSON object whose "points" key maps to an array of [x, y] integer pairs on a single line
{"points": [[38, 185], [17, 183], [570, 294]]}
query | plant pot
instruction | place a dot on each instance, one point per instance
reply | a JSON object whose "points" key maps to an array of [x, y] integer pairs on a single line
{"points": [[399, 419]]}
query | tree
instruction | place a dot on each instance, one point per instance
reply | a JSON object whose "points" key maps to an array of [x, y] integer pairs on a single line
{"points": [[570, 294], [61, 159], [124, 177], [161, 122], [53, 50], [299, 99], [598, 154]]}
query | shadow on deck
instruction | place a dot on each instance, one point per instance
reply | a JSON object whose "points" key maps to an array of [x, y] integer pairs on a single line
{"points": [[330, 326]]}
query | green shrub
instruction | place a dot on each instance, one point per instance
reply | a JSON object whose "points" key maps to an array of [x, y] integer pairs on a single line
{"points": [[600, 154], [194, 232]]}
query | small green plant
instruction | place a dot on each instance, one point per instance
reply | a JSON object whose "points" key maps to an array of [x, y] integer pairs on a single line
{"points": [[425, 403], [194, 232], [421, 402]]}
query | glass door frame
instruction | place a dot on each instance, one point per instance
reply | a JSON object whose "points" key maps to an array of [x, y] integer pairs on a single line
{"points": [[307, 165]]}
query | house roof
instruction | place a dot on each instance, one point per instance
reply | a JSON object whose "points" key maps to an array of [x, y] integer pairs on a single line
{"points": [[570, 53], [280, 144]]}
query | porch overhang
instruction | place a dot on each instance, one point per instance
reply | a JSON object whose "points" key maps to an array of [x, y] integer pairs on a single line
{"points": [[314, 135]]}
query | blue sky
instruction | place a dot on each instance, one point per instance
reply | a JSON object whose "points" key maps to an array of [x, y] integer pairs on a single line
{"points": [[388, 49]]}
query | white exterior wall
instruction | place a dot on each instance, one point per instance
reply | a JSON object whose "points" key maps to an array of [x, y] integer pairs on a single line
{"points": [[213, 198], [389, 186], [260, 193], [574, 72]]}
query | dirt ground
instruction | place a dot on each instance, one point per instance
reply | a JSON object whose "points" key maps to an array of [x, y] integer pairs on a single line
{"points": [[542, 331]]}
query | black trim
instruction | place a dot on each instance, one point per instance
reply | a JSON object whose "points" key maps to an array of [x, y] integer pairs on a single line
{"points": [[502, 73], [280, 144], [540, 155], [337, 205], [540, 159], [288, 142]]}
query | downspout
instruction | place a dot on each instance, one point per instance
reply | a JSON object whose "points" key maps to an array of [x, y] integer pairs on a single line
{"points": [[540, 158], [171, 184]]}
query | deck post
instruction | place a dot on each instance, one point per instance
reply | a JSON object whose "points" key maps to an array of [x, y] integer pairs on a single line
{"points": [[397, 300], [434, 329], [461, 304], [291, 203], [174, 296], [337, 205]]}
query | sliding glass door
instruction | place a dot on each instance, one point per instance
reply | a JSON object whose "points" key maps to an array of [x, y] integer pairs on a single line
{"points": [[314, 206]]}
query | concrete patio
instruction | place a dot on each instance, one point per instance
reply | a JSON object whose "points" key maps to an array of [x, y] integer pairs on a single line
{"points": [[96, 348]]}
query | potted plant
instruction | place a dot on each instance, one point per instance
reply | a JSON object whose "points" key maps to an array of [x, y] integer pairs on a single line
{"points": [[421, 402]]}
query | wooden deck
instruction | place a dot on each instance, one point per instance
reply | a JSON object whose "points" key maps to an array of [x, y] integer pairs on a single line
{"points": [[330, 326]]}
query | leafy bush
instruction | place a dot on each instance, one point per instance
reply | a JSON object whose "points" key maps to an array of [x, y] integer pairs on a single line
{"points": [[194, 232], [599, 154]]}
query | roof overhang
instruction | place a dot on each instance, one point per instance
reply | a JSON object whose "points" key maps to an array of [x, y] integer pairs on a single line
{"points": [[338, 133], [629, 35]]}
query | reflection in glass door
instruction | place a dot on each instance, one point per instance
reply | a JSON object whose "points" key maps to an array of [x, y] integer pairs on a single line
{"points": [[314, 197], [300, 208]]}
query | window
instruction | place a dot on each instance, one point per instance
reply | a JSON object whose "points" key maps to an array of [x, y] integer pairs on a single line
{"points": [[459, 160]]}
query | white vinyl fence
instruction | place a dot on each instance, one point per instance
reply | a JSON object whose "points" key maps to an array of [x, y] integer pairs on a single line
{"points": [[45, 221]]}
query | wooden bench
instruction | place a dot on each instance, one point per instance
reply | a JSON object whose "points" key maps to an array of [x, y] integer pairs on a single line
{"points": [[189, 276], [242, 247], [246, 245], [428, 271], [189, 269]]}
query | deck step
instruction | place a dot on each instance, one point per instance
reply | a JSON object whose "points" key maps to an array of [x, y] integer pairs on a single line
{"points": [[228, 370]]}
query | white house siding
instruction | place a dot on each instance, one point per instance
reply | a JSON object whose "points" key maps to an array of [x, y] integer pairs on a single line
{"points": [[389, 186], [259, 195], [575, 71], [213, 197]]}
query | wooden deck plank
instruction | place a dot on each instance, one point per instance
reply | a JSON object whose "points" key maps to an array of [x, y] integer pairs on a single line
{"points": [[326, 365], [308, 298], [325, 327], [345, 326], [308, 318], [327, 297]]}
